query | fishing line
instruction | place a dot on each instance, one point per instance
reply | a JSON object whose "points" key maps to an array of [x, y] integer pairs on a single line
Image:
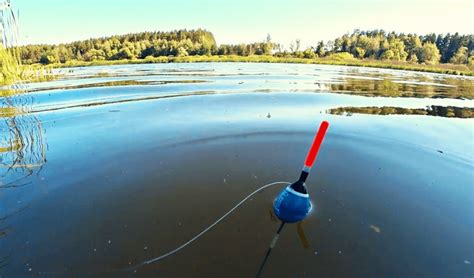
{"points": [[172, 252]]}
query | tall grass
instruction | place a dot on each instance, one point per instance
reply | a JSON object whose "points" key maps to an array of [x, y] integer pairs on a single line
{"points": [[13, 71], [441, 68], [10, 66]]}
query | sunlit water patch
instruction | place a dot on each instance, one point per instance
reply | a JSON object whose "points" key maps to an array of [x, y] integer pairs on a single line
{"points": [[107, 167]]}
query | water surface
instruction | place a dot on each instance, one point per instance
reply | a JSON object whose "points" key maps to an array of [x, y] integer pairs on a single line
{"points": [[109, 166]]}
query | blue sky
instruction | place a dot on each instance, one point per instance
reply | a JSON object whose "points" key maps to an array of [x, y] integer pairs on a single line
{"points": [[242, 21]]}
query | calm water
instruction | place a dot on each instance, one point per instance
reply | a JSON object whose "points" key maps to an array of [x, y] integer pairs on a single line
{"points": [[109, 166]]}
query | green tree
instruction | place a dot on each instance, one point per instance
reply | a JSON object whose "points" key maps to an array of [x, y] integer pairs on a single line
{"points": [[309, 53], [412, 58], [375, 44], [412, 47], [387, 55], [48, 59], [182, 52], [268, 45], [460, 57], [242, 50], [395, 50], [320, 51], [94, 54], [78, 55], [360, 52], [124, 53], [429, 54]]}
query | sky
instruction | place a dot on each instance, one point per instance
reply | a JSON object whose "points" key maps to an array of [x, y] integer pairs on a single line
{"points": [[238, 21]]}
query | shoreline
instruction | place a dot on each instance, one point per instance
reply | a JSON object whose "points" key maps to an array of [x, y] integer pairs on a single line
{"points": [[450, 69]]}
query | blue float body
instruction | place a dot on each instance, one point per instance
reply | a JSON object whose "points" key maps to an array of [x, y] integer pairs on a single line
{"points": [[291, 206]]}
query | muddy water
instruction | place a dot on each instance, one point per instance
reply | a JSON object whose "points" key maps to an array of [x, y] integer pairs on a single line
{"points": [[107, 167]]}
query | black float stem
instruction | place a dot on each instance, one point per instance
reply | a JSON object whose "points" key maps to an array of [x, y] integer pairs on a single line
{"points": [[272, 244]]}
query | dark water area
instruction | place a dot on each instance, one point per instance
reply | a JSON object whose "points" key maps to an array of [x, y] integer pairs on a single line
{"points": [[107, 167]]}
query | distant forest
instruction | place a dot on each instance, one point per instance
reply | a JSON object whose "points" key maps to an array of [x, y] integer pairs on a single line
{"points": [[378, 44]]}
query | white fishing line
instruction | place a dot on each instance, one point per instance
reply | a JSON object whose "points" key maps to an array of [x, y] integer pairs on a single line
{"points": [[154, 260]]}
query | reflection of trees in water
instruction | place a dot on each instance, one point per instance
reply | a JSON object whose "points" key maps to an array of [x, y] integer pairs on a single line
{"points": [[433, 110], [22, 145], [458, 88]]}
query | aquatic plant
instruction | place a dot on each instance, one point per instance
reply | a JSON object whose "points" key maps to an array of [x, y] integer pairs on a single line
{"points": [[433, 110], [10, 67], [372, 63], [21, 141]]}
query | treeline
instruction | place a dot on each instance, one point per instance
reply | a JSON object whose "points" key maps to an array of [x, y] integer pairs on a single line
{"points": [[130, 46], [429, 49], [377, 44], [258, 48]]}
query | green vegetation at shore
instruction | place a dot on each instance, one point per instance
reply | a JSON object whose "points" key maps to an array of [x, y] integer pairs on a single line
{"points": [[367, 49], [433, 110], [12, 70], [451, 54], [329, 60]]}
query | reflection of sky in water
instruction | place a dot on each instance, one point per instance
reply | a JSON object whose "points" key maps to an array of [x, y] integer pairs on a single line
{"points": [[96, 85], [314, 78], [136, 166]]}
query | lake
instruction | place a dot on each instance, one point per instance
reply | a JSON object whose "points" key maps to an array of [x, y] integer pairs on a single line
{"points": [[107, 167]]}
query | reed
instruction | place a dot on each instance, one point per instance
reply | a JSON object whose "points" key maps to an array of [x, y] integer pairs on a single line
{"points": [[10, 66], [440, 68], [13, 71]]}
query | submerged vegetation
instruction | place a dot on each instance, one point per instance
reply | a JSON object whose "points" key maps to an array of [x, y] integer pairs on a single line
{"points": [[433, 110], [329, 60], [448, 53]]}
